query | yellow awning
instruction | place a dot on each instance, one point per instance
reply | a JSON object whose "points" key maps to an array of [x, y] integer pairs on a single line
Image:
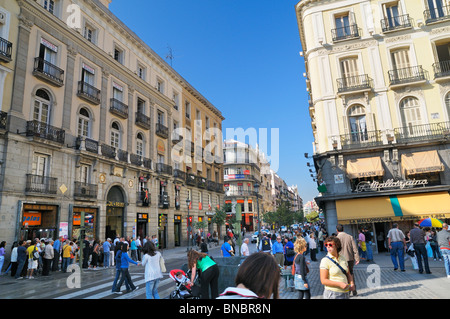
{"points": [[364, 167], [421, 162], [393, 208]]}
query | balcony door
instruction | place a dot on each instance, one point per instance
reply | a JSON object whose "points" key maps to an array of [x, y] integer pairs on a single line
{"points": [[401, 64], [39, 170], [392, 15], [436, 9], [342, 25], [48, 53], [358, 124], [350, 72], [41, 111], [443, 57], [411, 116]]}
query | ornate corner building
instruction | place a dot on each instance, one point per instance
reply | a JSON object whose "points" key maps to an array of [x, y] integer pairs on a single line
{"points": [[94, 121], [378, 78]]}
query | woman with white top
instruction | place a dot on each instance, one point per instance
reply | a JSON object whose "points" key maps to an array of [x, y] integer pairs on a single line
{"points": [[153, 273]]}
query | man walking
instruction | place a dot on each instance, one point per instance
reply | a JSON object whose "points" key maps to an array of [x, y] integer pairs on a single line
{"points": [[349, 250], [49, 255], [106, 252], [278, 251], [417, 238], [397, 244], [56, 253], [443, 239], [21, 258], [368, 236]]}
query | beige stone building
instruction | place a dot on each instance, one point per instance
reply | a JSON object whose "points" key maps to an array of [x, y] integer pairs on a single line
{"points": [[377, 74], [96, 123]]}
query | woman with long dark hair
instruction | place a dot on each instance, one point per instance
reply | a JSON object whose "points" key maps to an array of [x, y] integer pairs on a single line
{"points": [[209, 276]]}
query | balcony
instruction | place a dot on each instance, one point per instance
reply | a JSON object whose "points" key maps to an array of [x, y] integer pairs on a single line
{"points": [[396, 23], [5, 50], [48, 72], [147, 163], [118, 108], [201, 182], [219, 188], [162, 131], [136, 159], [163, 201], [85, 190], [407, 76], [247, 193], [122, 155], [191, 180], [179, 174], [162, 168], [143, 198], [89, 144], [441, 70], [88, 93], [143, 120], [357, 140], [210, 185], [45, 131], [354, 84], [3, 119], [433, 15], [422, 133], [41, 184], [108, 151], [346, 33]]}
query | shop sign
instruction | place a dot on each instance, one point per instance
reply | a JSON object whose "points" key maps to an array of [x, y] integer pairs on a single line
{"points": [[419, 217], [142, 217], [115, 204], [389, 184], [370, 220], [32, 219]]}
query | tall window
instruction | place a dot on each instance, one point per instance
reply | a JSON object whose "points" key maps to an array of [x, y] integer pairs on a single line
{"points": [[140, 145], [41, 111], [358, 125], [350, 72], [40, 165], [84, 123], [85, 174], [115, 135], [436, 8], [161, 118], [49, 5], [140, 106], [87, 75], [410, 113], [447, 105], [392, 14]]}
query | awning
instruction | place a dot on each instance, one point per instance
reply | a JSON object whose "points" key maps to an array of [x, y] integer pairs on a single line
{"points": [[364, 167], [421, 162], [393, 208]]}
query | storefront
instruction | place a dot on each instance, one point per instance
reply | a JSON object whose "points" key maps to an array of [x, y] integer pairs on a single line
{"points": [[378, 213], [115, 213], [141, 224], [90, 219], [177, 230], [39, 221], [162, 231]]}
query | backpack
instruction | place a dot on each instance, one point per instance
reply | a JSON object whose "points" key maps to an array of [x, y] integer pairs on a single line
{"points": [[265, 244], [35, 254]]}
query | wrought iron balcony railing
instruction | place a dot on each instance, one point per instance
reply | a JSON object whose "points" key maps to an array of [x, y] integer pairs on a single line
{"points": [[89, 92], [49, 72], [45, 131], [441, 69], [143, 120], [5, 50], [162, 131], [407, 75], [85, 190], [346, 33], [439, 13], [179, 174], [119, 108], [3, 119], [162, 168], [396, 23], [41, 184], [136, 159], [363, 139], [354, 83], [108, 151], [191, 180], [420, 133], [89, 144]]}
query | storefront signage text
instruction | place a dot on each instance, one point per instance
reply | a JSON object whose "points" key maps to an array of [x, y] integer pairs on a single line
{"points": [[389, 184], [115, 204]]}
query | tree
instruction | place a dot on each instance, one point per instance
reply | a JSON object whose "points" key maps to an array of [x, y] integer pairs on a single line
{"points": [[283, 216], [219, 219]]}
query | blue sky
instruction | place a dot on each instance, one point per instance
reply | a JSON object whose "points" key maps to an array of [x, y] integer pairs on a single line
{"points": [[243, 56]]}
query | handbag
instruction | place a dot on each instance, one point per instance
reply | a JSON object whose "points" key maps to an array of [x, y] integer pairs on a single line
{"points": [[162, 264]]}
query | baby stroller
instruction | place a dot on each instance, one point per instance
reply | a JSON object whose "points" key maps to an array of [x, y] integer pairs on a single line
{"points": [[182, 290]]}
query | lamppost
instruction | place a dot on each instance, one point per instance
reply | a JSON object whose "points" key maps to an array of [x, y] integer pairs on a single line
{"points": [[256, 188], [188, 202]]}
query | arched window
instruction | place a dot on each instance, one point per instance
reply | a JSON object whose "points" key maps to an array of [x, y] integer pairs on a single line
{"points": [[140, 145], [41, 112], [84, 123], [357, 122], [115, 135], [410, 113]]}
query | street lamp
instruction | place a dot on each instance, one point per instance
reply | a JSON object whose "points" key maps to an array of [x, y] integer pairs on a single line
{"points": [[256, 188], [188, 202]]}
